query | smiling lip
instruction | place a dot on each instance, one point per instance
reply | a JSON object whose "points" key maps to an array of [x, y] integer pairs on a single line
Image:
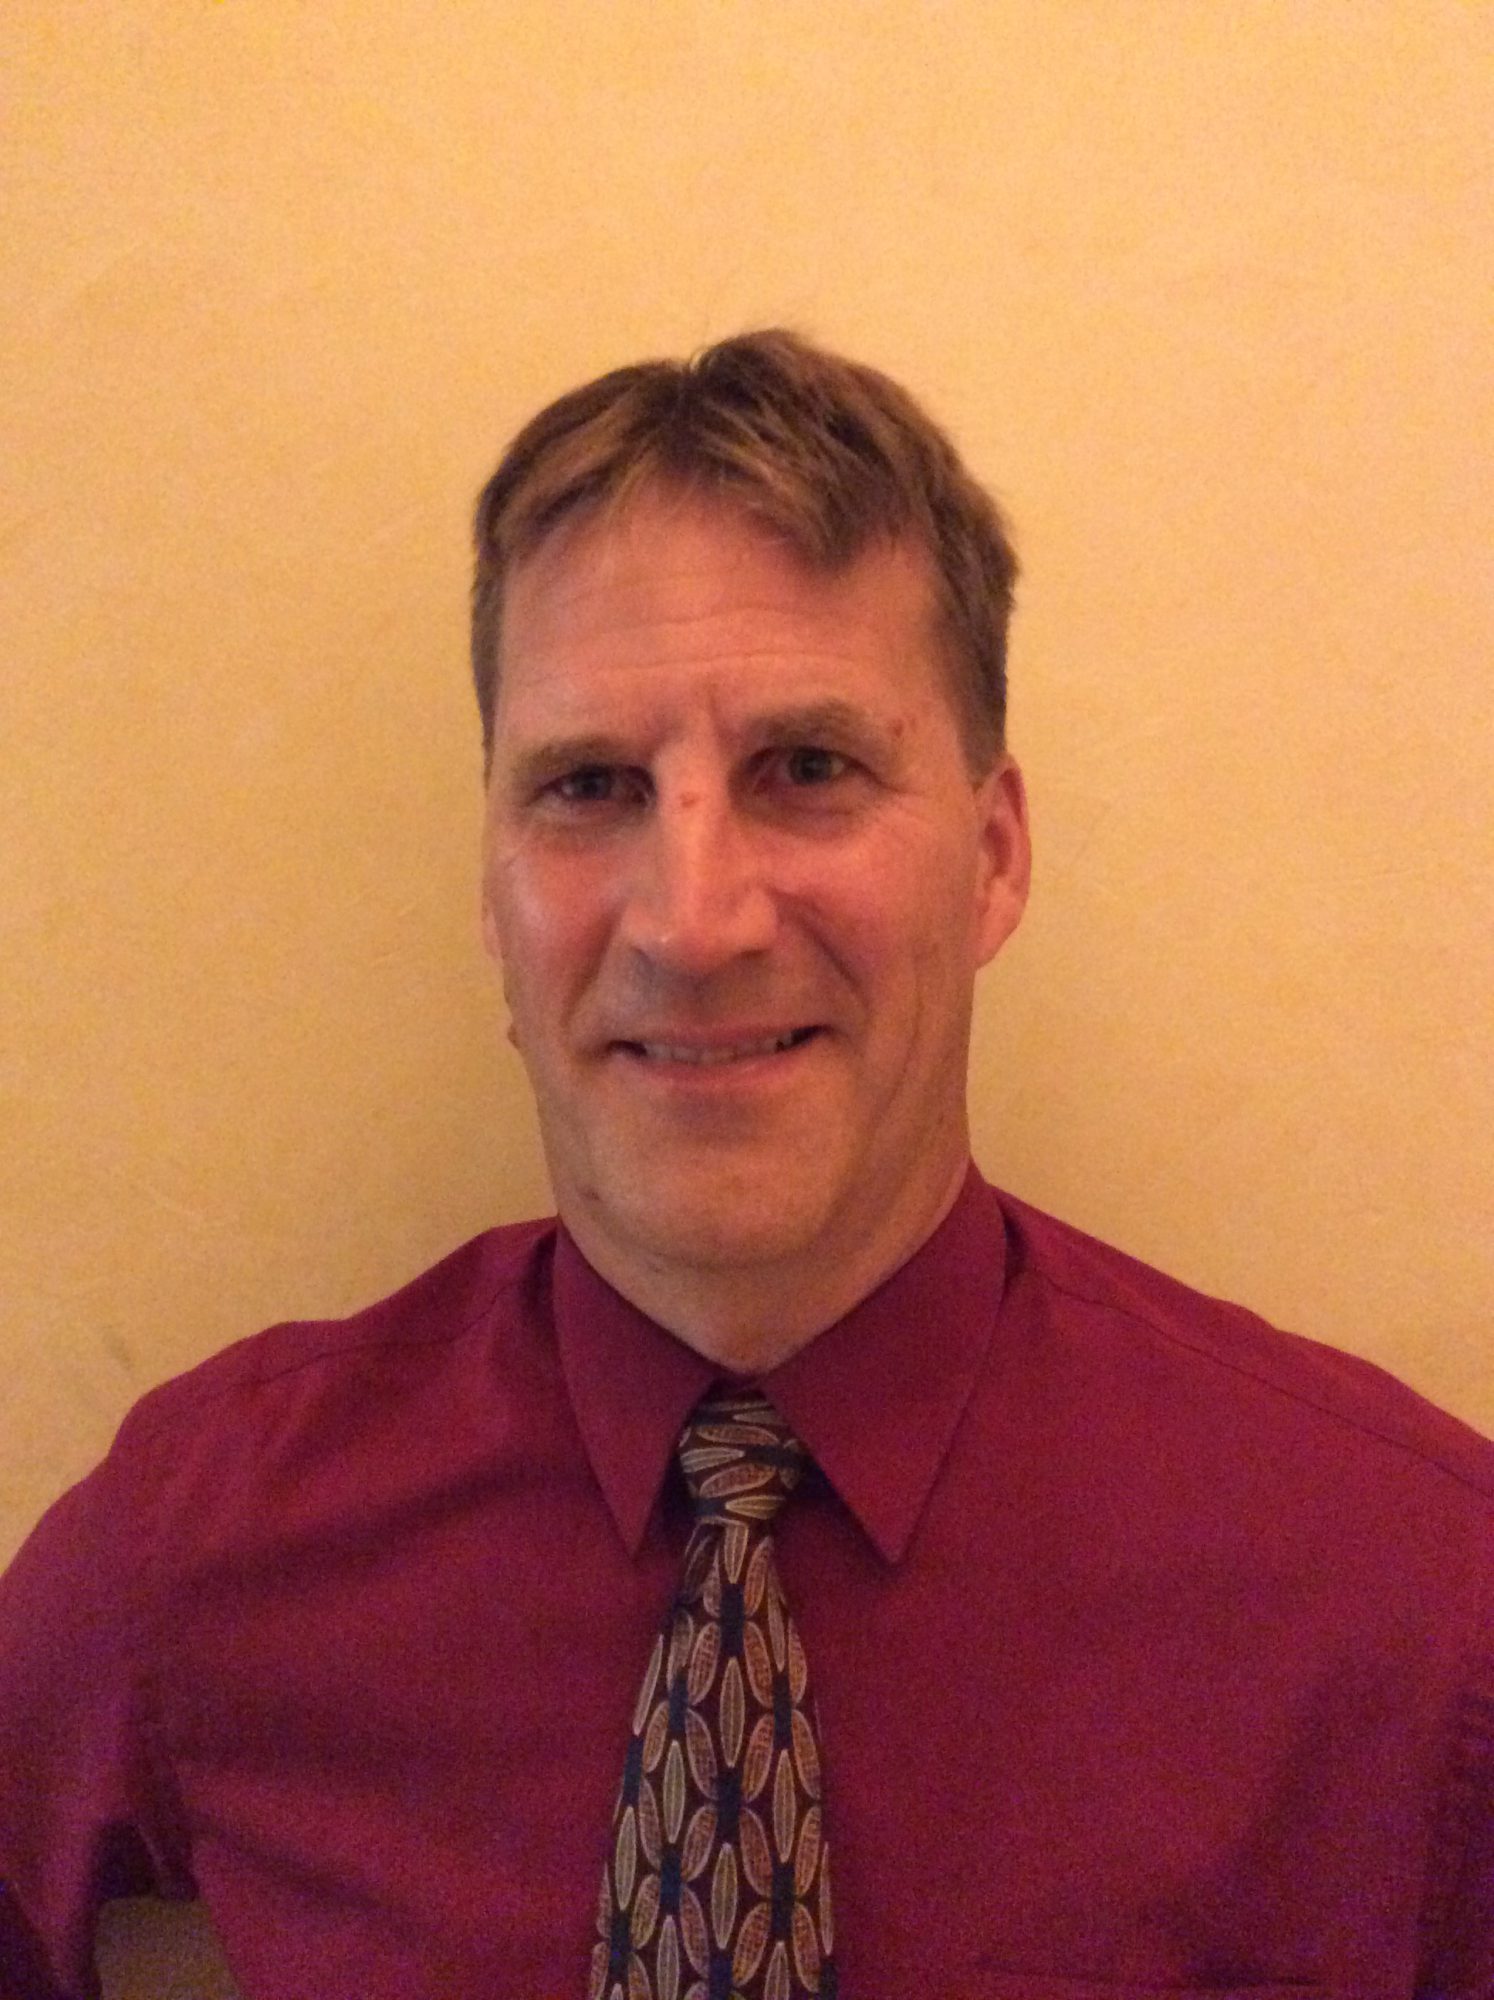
{"points": [[718, 1052]]}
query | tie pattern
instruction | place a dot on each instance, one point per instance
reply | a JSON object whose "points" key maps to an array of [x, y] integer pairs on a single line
{"points": [[718, 1886]]}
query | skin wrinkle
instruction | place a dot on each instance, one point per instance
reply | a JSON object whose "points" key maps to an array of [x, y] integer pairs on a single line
{"points": [[572, 591]]}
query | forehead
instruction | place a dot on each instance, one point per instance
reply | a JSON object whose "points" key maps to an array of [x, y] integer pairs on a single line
{"points": [[675, 585]]}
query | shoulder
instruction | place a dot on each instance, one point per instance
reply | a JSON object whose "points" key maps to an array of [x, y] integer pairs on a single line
{"points": [[311, 1440], [476, 1293], [314, 1419], [307, 1425], [1216, 1360]]}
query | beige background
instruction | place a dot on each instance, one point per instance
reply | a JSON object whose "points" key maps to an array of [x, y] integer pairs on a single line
{"points": [[1202, 291]]}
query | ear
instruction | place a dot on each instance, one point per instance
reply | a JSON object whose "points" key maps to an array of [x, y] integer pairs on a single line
{"points": [[1005, 860]]}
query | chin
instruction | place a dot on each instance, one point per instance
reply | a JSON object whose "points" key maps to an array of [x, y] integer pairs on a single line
{"points": [[711, 1221]]}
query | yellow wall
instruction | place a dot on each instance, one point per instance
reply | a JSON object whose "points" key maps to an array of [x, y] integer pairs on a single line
{"points": [[1199, 287]]}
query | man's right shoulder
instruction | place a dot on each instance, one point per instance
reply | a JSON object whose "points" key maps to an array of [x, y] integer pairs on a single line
{"points": [[496, 1280]]}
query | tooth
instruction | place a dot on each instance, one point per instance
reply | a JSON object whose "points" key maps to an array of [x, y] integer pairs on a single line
{"points": [[669, 1052]]}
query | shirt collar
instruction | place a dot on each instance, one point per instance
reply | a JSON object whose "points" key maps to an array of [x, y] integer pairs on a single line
{"points": [[875, 1398]]}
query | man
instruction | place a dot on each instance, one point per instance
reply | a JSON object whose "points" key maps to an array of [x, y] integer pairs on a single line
{"points": [[1150, 1648]]}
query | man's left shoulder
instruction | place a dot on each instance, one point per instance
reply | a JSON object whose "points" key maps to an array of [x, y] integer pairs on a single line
{"points": [[1230, 1355]]}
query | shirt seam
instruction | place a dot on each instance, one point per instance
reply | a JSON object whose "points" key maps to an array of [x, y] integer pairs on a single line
{"points": [[1265, 1380], [152, 1420]]}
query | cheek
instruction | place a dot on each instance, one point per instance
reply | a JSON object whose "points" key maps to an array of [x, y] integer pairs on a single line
{"points": [[904, 911], [547, 925]]}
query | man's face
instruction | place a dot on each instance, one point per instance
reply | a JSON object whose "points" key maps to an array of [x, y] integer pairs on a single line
{"points": [[739, 880]]}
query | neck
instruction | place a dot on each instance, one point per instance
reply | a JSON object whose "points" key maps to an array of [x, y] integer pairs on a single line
{"points": [[748, 1318]]}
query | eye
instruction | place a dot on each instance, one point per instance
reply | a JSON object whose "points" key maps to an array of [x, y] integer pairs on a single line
{"points": [[594, 785], [810, 764], [591, 785]]}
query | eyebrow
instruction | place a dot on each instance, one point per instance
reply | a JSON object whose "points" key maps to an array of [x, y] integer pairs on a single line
{"points": [[840, 723], [543, 763]]}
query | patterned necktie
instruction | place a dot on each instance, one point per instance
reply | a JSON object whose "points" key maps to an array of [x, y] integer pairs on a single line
{"points": [[718, 1887]]}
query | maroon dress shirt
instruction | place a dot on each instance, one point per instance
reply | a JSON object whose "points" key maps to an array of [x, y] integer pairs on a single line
{"points": [[1152, 1646]]}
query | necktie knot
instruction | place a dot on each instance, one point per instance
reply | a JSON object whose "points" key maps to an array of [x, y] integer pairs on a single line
{"points": [[740, 1460]]}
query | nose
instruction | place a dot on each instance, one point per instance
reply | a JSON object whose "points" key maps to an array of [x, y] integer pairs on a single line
{"points": [[698, 898]]}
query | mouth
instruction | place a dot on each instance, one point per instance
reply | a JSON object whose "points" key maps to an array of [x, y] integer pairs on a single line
{"points": [[717, 1054]]}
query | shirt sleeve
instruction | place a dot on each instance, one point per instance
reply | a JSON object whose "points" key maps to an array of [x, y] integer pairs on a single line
{"points": [[84, 1814]]}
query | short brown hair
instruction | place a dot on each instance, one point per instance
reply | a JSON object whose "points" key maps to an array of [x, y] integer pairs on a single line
{"points": [[831, 455]]}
